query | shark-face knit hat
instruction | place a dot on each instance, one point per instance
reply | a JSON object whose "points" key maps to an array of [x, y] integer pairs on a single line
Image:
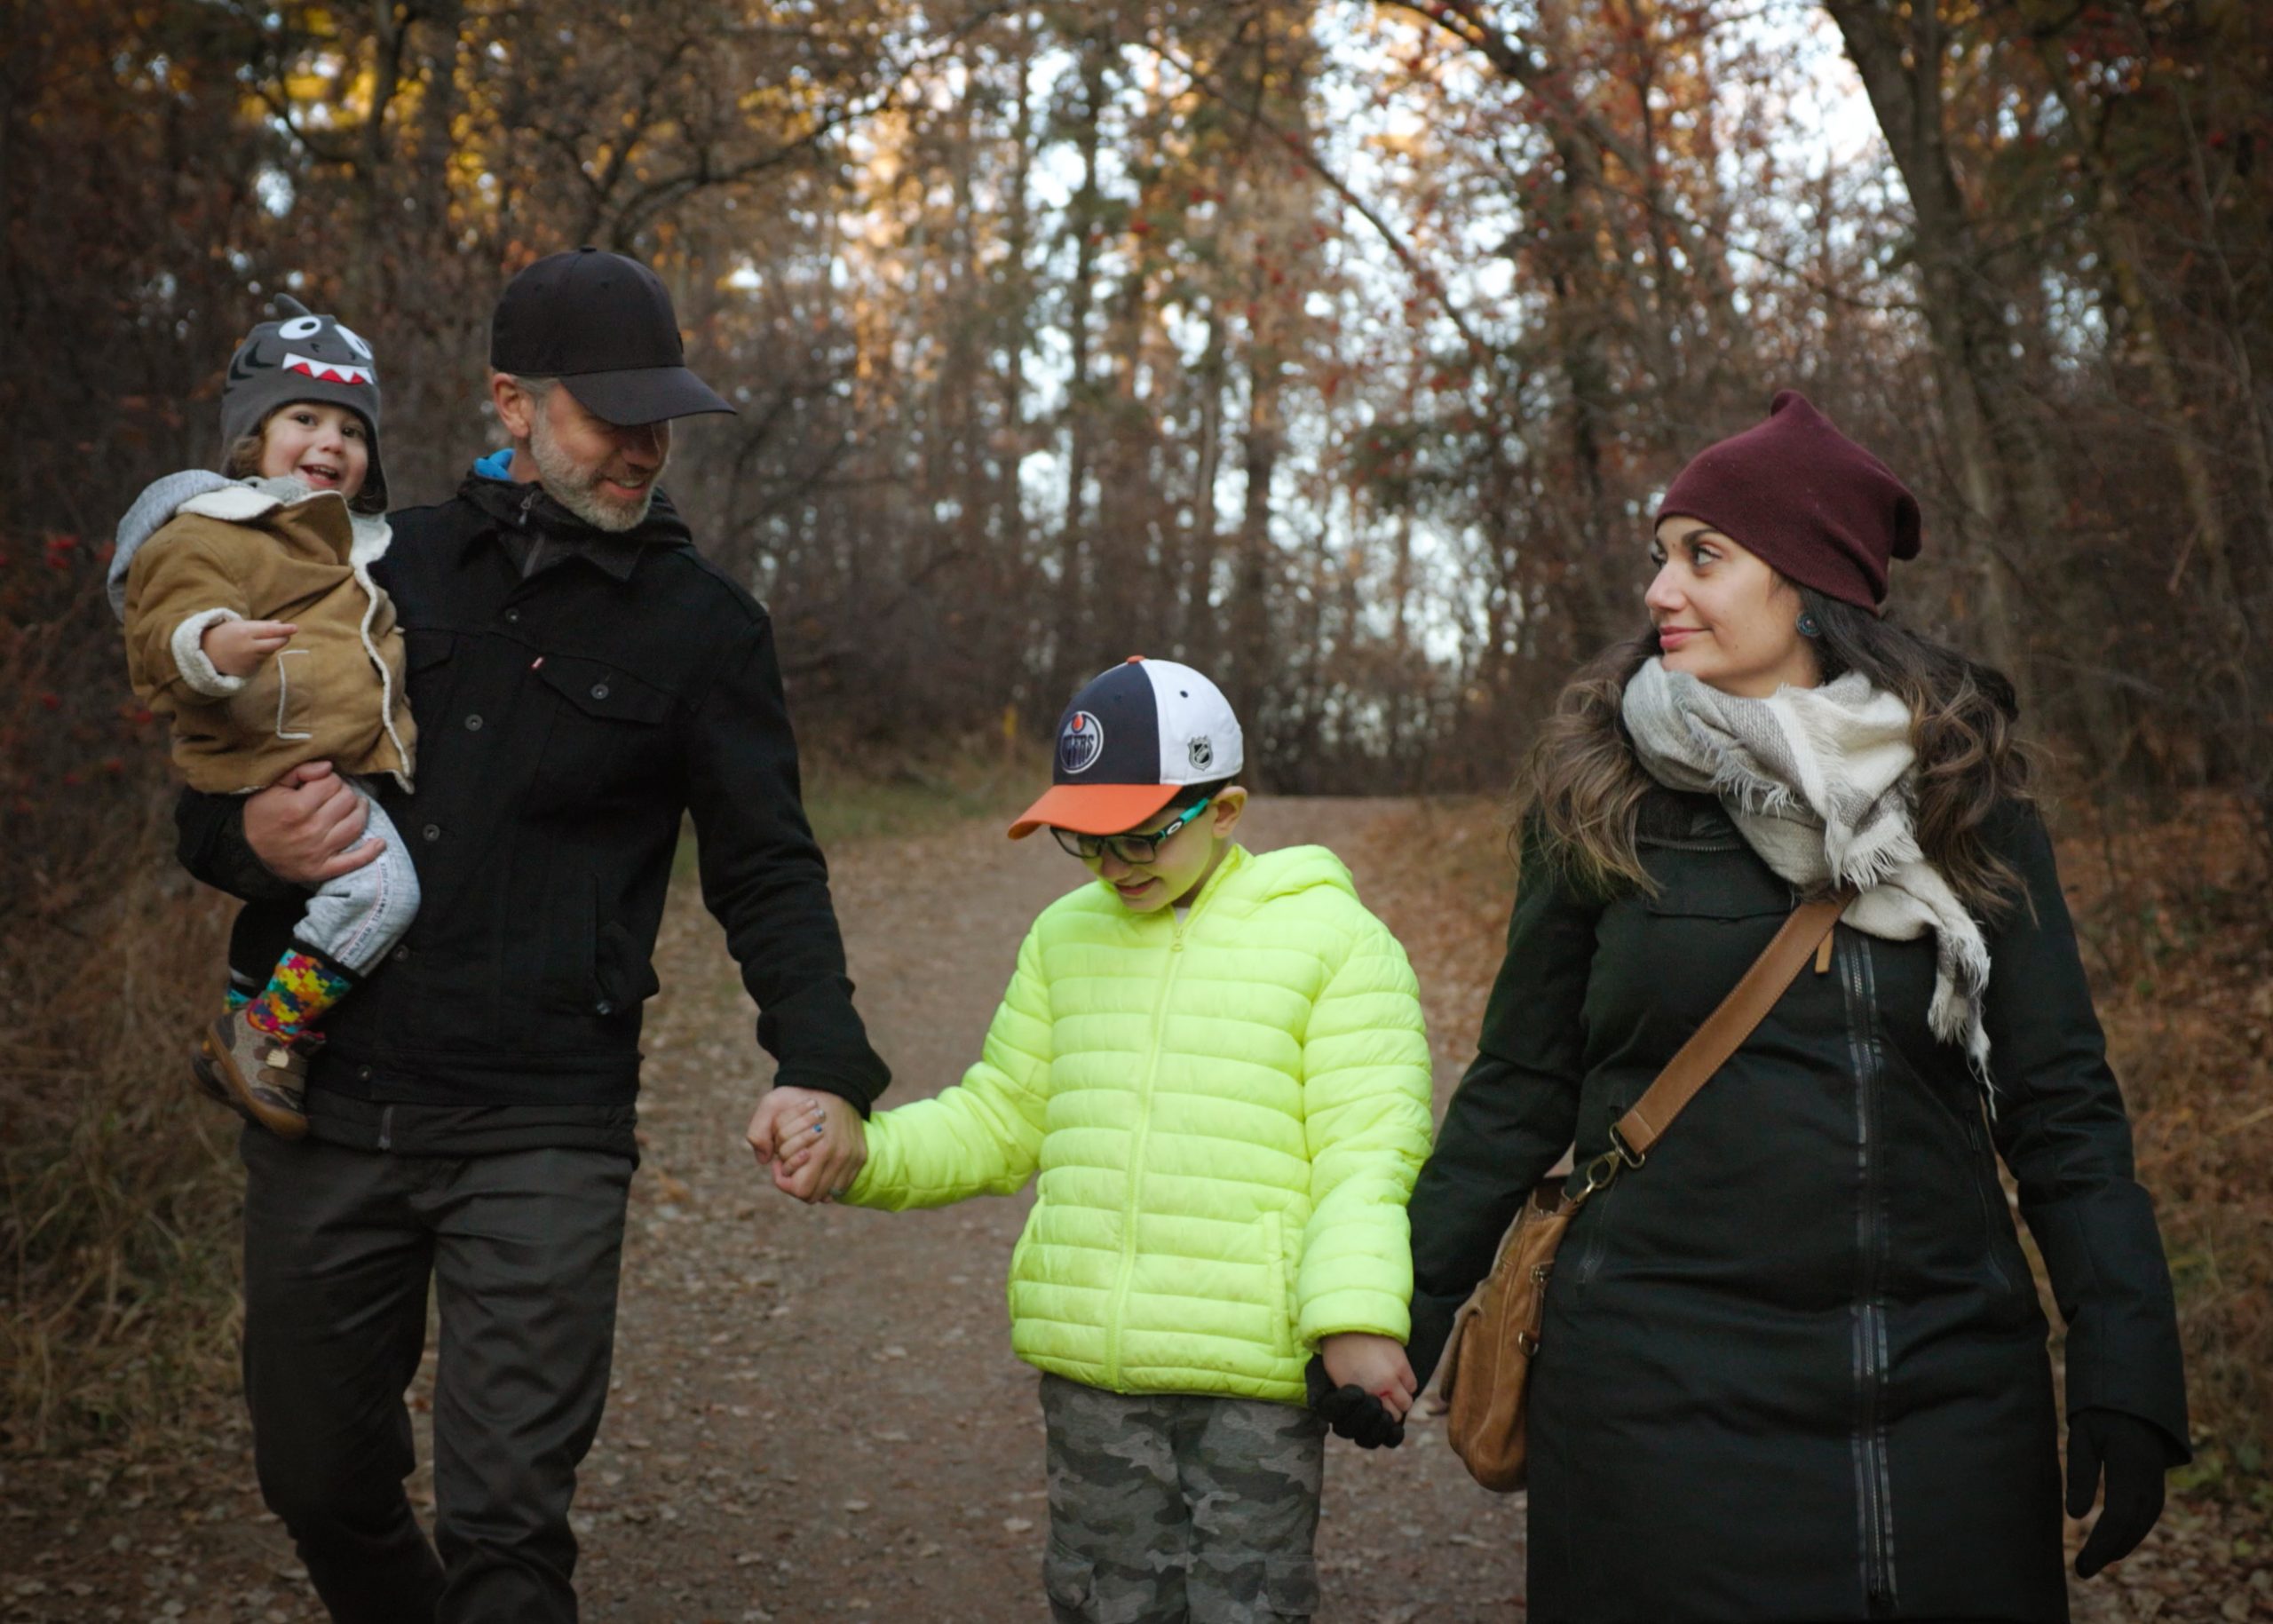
{"points": [[303, 357]]}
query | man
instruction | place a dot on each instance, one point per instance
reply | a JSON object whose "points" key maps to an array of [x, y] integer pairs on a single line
{"points": [[585, 679]]}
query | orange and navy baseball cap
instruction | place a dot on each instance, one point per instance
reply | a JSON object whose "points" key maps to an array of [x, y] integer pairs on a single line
{"points": [[1128, 741]]}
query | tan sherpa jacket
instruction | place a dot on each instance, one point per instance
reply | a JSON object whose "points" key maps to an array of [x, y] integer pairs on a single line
{"points": [[335, 692]]}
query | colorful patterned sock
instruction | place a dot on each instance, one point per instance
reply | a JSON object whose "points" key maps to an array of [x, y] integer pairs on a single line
{"points": [[234, 999], [302, 988]]}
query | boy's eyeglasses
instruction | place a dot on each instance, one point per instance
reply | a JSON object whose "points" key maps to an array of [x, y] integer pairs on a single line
{"points": [[1131, 849]]}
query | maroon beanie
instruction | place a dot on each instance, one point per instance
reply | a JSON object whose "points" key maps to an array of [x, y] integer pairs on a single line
{"points": [[1795, 491]]}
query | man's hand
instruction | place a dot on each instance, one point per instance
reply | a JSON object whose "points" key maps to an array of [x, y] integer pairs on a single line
{"points": [[1374, 1365], [237, 647], [307, 826], [814, 1141]]}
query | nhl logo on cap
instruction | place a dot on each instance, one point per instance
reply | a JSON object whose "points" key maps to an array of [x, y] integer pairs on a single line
{"points": [[1080, 742]]}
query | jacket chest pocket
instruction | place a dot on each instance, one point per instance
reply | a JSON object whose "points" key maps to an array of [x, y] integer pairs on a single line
{"points": [[1715, 884], [606, 733], [1665, 960], [426, 670]]}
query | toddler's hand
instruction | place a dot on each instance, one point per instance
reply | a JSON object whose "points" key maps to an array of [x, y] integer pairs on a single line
{"points": [[237, 647], [1375, 1365]]}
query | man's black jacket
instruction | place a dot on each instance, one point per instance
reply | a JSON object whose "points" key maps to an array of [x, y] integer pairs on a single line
{"points": [[568, 723]]}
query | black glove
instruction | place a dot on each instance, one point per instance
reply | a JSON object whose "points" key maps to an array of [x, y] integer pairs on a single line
{"points": [[1352, 1411], [2135, 1456]]}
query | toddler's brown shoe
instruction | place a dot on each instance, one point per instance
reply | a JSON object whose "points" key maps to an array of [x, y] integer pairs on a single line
{"points": [[261, 1076], [209, 1082]]}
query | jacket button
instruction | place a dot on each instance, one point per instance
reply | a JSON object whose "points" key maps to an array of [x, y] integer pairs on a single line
{"points": [[432, 831], [512, 617], [599, 690], [400, 954], [603, 1008], [473, 725], [363, 1073]]}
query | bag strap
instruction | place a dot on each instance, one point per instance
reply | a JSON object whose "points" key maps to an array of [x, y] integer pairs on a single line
{"points": [[1722, 1034]]}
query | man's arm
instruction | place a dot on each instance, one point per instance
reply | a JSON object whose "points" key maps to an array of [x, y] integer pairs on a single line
{"points": [[276, 846], [210, 841], [765, 880]]}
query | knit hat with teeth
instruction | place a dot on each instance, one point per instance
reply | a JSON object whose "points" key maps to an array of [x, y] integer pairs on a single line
{"points": [[305, 357]]}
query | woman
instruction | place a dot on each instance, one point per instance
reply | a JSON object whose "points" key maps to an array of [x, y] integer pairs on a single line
{"points": [[1793, 1367]]}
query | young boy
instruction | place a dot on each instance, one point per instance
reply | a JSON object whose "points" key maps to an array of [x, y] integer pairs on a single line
{"points": [[1215, 1062], [254, 626]]}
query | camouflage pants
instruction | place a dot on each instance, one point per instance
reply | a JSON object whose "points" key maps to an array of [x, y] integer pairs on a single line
{"points": [[1169, 1507]]}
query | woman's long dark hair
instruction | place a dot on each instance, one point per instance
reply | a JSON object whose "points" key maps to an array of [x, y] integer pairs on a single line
{"points": [[1583, 784]]}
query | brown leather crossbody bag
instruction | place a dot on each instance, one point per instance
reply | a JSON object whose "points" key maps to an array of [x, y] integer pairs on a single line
{"points": [[1486, 1377]]}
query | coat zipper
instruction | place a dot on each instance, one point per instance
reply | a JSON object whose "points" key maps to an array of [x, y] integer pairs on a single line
{"points": [[1136, 1175], [386, 1128], [1873, 1489]]}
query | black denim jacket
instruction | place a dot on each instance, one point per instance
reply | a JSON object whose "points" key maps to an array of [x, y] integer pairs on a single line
{"points": [[570, 721]]}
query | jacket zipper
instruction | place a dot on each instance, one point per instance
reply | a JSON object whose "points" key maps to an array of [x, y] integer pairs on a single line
{"points": [[1874, 1490], [386, 1128], [1136, 1175]]}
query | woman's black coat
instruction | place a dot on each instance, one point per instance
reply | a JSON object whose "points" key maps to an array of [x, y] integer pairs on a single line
{"points": [[1794, 1368]]}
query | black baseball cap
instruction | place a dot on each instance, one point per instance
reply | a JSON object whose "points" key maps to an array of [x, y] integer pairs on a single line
{"points": [[603, 324]]}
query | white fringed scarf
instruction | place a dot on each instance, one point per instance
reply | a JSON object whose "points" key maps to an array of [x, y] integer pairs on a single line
{"points": [[1818, 782]]}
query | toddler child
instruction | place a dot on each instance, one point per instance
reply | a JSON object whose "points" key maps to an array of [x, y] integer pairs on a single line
{"points": [[254, 626], [1215, 1063]]}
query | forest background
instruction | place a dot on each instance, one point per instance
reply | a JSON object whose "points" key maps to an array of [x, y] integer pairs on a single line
{"points": [[1340, 347]]}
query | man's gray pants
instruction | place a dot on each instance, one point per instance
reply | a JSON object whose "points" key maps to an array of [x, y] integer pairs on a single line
{"points": [[1172, 1507], [522, 1251]]}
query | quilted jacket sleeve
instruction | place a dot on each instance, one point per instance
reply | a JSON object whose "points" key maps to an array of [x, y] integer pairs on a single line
{"points": [[982, 1136], [1366, 1108]]}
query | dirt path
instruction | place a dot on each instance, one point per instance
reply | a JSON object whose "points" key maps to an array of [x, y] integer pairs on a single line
{"points": [[814, 1413], [817, 1415]]}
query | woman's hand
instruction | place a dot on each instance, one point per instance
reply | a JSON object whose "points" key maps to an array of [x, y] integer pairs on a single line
{"points": [[237, 647], [814, 1141], [1362, 1387], [2136, 1458]]}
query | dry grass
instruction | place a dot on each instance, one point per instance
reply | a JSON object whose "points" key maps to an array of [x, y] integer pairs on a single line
{"points": [[2178, 935], [118, 1220]]}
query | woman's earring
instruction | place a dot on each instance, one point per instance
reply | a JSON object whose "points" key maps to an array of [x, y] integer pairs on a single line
{"points": [[1809, 627]]}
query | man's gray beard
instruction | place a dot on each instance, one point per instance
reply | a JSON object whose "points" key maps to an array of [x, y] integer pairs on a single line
{"points": [[577, 489]]}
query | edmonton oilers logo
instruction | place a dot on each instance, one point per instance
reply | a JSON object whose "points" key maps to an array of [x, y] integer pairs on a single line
{"points": [[1080, 742]]}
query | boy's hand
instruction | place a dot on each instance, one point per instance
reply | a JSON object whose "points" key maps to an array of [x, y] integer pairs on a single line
{"points": [[1373, 1365], [1352, 1411], [814, 1141], [237, 647]]}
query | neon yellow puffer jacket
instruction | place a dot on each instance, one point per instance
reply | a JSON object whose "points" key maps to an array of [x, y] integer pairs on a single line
{"points": [[1227, 1116]]}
